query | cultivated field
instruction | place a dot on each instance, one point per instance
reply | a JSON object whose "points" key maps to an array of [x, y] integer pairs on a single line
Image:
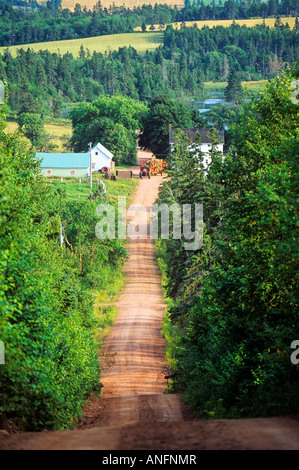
{"points": [[226, 23], [256, 86], [149, 40], [140, 41], [58, 131]]}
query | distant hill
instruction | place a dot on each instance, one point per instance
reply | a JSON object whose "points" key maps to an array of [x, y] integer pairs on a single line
{"points": [[126, 3], [142, 42]]}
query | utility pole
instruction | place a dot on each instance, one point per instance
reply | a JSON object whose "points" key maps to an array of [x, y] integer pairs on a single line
{"points": [[90, 169], [61, 235]]}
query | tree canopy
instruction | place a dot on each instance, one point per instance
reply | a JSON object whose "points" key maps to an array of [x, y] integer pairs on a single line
{"points": [[112, 121], [163, 112]]}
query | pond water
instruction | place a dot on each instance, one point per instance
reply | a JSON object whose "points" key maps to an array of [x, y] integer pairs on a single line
{"points": [[211, 98], [207, 104]]}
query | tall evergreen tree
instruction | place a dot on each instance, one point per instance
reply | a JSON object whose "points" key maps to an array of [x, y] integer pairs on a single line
{"points": [[234, 91]]}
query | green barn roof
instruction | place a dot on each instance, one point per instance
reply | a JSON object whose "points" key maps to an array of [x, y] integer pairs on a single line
{"points": [[63, 160]]}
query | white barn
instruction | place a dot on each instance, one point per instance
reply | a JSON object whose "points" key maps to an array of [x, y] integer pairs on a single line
{"points": [[76, 164]]}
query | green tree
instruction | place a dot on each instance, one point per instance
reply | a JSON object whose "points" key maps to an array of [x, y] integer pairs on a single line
{"points": [[46, 314], [236, 298], [111, 120], [32, 127], [234, 91], [163, 112]]}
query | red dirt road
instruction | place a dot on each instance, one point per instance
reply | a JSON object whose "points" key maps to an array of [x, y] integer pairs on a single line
{"points": [[134, 412], [136, 338]]}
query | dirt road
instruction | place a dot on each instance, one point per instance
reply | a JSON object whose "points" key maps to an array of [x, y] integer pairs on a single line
{"points": [[134, 412], [136, 338]]}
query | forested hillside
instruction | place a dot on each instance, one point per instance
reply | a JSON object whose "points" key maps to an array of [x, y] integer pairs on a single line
{"points": [[53, 23], [47, 82]]}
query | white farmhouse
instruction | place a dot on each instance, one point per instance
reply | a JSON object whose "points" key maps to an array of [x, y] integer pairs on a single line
{"points": [[205, 145], [76, 164]]}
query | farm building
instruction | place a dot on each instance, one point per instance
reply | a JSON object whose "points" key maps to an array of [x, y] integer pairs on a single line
{"points": [[205, 145], [76, 164]]}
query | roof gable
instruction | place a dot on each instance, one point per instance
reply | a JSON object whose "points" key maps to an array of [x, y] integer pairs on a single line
{"points": [[103, 149]]}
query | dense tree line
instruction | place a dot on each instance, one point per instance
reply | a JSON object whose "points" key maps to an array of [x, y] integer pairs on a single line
{"points": [[47, 293], [254, 52], [233, 302], [236, 9], [44, 82], [52, 23]]}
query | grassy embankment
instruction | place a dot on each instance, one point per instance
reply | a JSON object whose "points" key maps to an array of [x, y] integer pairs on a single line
{"points": [[105, 309]]}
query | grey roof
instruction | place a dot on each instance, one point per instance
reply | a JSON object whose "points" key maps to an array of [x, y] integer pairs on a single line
{"points": [[191, 133]]}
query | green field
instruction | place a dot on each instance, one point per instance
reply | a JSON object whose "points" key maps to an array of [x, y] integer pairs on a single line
{"points": [[256, 86], [140, 41], [58, 131], [75, 190]]}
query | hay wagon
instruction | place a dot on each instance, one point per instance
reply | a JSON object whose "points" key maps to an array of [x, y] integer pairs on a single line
{"points": [[152, 167]]}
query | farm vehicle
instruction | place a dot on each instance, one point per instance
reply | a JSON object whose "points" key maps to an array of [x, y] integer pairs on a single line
{"points": [[152, 167]]}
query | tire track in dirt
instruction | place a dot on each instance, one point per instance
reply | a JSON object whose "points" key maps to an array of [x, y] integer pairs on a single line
{"points": [[135, 338]]}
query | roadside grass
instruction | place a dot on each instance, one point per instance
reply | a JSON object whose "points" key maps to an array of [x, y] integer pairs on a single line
{"points": [[104, 307]]}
